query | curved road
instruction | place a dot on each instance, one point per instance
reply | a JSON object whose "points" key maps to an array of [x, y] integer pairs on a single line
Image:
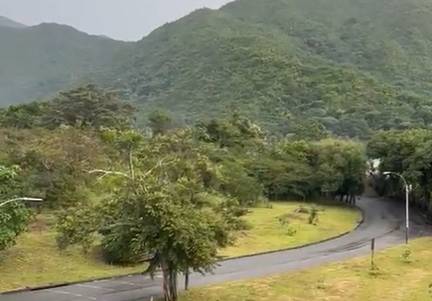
{"points": [[383, 220]]}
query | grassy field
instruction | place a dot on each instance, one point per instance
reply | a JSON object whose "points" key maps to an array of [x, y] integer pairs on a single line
{"points": [[404, 274], [268, 233], [35, 260]]}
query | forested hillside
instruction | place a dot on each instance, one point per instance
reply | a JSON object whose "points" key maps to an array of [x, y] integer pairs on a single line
{"points": [[352, 67], [10, 23], [343, 63], [40, 60], [390, 38]]}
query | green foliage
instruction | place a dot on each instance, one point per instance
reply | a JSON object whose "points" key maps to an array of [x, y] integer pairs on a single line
{"points": [[170, 197], [83, 107], [344, 66], [406, 256], [284, 220], [87, 106], [309, 129], [408, 154], [159, 122], [313, 216], [237, 183], [14, 217], [301, 68], [8, 180], [76, 226], [38, 61]]}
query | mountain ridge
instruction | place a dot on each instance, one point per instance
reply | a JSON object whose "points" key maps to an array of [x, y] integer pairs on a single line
{"points": [[6, 22], [43, 59], [227, 58], [345, 64]]}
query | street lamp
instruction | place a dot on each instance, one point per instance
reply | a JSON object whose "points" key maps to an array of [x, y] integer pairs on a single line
{"points": [[23, 199], [407, 191]]}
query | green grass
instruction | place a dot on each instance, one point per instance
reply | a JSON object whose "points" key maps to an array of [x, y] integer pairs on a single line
{"points": [[35, 260], [268, 234], [397, 279]]}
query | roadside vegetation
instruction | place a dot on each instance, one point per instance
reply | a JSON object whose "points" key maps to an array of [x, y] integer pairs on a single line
{"points": [[402, 273], [177, 198], [286, 225], [211, 185], [36, 259]]}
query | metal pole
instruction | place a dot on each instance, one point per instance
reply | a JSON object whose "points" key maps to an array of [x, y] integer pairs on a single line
{"points": [[407, 190], [24, 199]]}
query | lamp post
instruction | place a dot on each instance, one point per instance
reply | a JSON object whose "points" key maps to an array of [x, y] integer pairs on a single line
{"points": [[22, 199], [407, 191]]}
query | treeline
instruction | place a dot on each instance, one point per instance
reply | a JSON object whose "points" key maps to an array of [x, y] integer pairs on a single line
{"points": [[407, 153], [58, 141], [171, 194]]}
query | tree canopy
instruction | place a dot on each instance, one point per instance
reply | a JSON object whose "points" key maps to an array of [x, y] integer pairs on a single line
{"points": [[408, 154]]}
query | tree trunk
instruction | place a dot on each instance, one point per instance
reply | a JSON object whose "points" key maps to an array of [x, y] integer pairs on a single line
{"points": [[352, 199], [173, 284], [169, 281], [186, 280]]}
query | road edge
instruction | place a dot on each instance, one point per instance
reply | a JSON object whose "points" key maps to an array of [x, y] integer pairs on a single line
{"points": [[49, 286], [359, 223]]}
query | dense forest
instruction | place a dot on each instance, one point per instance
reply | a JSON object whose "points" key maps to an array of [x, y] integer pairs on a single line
{"points": [[351, 67], [408, 154], [344, 64], [38, 61]]}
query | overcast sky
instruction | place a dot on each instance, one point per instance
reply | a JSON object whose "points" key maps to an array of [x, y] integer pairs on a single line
{"points": [[118, 19]]}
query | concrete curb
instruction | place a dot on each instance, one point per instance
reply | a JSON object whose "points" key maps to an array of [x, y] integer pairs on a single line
{"points": [[49, 286]]}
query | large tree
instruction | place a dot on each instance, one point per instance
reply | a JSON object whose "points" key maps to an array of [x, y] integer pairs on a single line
{"points": [[167, 208]]}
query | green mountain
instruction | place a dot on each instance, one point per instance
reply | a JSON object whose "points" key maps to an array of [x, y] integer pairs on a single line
{"points": [[392, 39], [5, 22], [352, 65], [40, 60]]}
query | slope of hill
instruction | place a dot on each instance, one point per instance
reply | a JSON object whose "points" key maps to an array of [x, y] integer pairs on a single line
{"points": [[282, 60], [40, 60], [5, 22], [390, 38]]}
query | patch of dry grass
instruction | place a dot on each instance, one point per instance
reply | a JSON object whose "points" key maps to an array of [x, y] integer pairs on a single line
{"points": [[397, 279], [35, 260]]}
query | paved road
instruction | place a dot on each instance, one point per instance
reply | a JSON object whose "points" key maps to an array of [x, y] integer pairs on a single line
{"points": [[383, 221]]}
